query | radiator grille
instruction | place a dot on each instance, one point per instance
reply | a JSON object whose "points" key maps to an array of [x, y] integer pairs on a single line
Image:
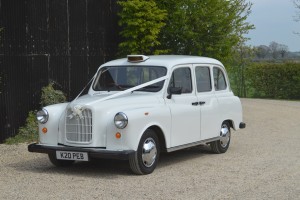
{"points": [[79, 130]]}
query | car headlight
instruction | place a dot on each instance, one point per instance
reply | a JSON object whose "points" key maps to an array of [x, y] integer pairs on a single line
{"points": [[42, 116], [121, 120]]}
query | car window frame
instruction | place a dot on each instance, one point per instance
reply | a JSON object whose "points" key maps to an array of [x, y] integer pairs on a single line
{"points": [[224, 76], [189, 66], [209, 67]]}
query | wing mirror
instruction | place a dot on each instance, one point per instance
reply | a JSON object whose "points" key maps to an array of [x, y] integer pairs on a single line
{"points": [[173, 90]]}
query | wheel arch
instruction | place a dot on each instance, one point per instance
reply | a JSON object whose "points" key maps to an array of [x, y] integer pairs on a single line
{"points": [[161, 137], [231, 123]]}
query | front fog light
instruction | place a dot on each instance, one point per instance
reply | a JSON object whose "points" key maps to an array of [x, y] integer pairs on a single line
{"points": [[121, 120], [42, 116]]}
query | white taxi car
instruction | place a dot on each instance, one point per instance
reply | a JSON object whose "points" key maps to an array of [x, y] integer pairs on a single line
{"points": [[140, 106]]}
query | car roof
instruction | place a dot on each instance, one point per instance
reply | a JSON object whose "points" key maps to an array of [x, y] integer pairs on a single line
{"points": [[166, 61]]}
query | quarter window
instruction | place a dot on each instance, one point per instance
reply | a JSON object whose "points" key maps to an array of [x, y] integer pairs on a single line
{"points": [[219, 79], [182, 78], [203, 79]]}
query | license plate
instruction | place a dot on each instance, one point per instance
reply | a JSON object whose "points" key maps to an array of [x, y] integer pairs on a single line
{"points": [[70, 155]]}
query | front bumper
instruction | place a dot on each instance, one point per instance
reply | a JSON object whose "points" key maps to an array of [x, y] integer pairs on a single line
{"points": [[92, 152]]}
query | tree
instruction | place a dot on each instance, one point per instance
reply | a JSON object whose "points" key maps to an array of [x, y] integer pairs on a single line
{"points": [[262, 51], [283, 49], [141, 22], [277, 50], [274, 46], [242, 57], [208, 28]]}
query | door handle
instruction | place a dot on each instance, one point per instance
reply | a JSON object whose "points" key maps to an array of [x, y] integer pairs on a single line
{"points": [[195, 103], [201, 102]]}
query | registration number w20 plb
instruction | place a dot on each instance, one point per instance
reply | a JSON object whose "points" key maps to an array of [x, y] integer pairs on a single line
{"points": [[70, 155]]}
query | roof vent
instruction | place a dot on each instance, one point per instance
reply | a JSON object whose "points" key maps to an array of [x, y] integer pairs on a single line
{"points": [[137, 58]]}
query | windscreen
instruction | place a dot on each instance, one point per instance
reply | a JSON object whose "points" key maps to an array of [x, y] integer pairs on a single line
{"points": [[119, 78]]}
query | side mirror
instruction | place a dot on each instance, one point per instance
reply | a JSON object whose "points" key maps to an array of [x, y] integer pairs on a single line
{"points": [[173, 90]]}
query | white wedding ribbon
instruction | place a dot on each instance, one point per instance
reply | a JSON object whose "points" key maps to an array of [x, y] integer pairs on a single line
{"points": [[77, 110], [133, 88]]}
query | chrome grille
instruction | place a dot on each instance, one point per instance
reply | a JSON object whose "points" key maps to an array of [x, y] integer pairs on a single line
{"points": [[78, 129]]}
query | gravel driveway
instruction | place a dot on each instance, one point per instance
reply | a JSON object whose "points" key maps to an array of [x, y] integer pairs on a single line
{"points": [[263, 162]]}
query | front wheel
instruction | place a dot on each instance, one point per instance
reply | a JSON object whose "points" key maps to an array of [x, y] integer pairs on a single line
{"points": [[59, 163], [221, 146], [145, 159]]}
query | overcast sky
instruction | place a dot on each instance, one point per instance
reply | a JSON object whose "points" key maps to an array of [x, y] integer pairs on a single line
{"points": [[273, 20]]}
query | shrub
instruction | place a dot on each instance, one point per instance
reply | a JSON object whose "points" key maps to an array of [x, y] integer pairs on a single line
{"points": [[51, 96], [29, 132]]}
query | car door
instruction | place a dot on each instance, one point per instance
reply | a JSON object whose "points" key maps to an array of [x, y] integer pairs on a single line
{"points": [[183, 107], [222, 93], [209, 106]]}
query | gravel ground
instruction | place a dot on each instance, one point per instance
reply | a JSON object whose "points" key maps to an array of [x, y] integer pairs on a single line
{"points": [[263, 162]]}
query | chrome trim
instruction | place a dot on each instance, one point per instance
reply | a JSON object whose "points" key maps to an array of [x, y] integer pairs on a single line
{"points": [[193, 144], [42, 116], [149, 152], [121, 120], [225, 135]]}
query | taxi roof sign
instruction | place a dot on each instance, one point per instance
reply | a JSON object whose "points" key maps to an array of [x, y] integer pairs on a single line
{"points": [[137, 58]]}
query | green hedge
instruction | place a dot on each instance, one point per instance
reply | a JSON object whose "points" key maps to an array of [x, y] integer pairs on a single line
{"points": [[274, 80]]}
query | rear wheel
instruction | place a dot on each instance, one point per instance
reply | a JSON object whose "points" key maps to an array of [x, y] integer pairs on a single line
{"points": [[59, 163], [222, 145], [145, 159]]}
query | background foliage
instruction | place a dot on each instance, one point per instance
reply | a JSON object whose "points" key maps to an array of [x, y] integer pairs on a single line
{"points": [[207, 28], [29, 132], [51, 96], [274, 80], [141, 22], [188, 27]]}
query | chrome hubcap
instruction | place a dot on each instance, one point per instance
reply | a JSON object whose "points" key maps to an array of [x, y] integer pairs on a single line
{"points": [[225, 135], [149, 152]]}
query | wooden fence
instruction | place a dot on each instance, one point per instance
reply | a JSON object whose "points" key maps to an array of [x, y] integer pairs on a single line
{"points": [[63, 41]]}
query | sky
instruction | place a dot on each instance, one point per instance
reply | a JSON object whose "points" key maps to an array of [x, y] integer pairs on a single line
{"points": [[274, 21]]}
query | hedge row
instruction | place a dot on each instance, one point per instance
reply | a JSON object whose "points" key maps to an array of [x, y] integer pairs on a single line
{"points": [[274, 80]]}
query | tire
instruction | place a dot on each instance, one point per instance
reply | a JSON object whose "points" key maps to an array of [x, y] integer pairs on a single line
{"points": [[59, 163], [221, 146], [145, 159]]}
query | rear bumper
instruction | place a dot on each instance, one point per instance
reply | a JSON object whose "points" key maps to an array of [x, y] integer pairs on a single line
{"points": [[242, 125], [92, 152]]}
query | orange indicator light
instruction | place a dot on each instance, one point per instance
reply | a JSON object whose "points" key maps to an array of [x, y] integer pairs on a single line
{"points": [[44, 130], [118, 135]]}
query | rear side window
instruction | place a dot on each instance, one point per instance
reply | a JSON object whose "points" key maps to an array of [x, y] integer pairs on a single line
{"points": [[219, 79], [203, 79]]}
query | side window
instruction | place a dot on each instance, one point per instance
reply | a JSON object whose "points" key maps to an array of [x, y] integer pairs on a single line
{"points": [[182, 78], [203, 79], [219, 79]]}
